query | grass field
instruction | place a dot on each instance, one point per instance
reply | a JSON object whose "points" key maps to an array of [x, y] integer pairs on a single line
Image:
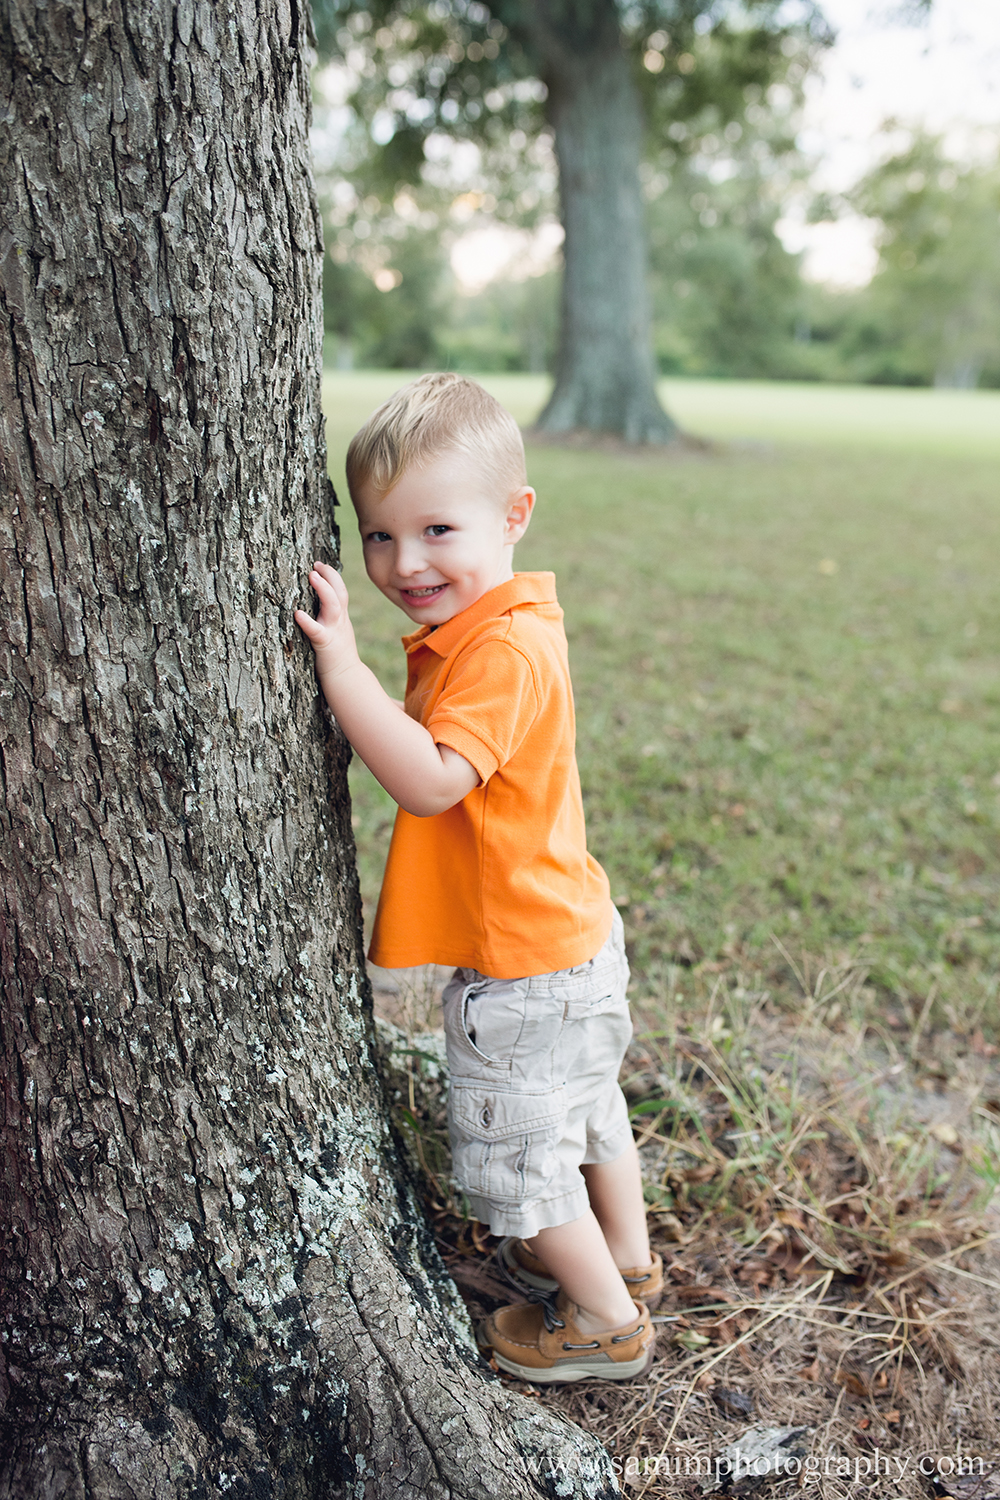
{"points": [[786, 657], [787, 665]]}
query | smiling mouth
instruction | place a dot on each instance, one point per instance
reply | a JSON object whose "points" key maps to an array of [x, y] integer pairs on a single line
{"points": [[426, 593]]}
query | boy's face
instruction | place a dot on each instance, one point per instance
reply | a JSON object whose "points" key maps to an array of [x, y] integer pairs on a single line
{"points": [[441, 538]]}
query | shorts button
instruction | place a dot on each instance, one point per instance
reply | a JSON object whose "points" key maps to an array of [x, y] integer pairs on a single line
{"points": [[486, 1116]]}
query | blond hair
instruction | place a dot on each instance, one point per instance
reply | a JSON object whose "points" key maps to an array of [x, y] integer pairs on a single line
{"points": [[436, 414]]}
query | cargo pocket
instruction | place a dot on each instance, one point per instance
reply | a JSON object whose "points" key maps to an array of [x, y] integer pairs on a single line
{"points": [[504, 1143], [601, 1003]]}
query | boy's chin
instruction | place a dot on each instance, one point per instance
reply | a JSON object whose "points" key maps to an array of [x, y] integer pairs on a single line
{"points": [[428, 617]]}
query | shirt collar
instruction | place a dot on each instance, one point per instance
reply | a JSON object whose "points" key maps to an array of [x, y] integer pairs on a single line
{"points": [[523, 588]]}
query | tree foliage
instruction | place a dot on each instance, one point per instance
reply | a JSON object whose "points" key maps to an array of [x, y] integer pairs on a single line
{"points": [[728, 299], [478, 72], [449, 132], [932, 311]]}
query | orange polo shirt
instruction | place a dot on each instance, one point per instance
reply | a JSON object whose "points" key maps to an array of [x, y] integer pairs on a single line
{"points": [[501, 882]]}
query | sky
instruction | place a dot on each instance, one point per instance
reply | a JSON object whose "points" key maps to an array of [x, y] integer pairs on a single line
{"points": [[944, 74]]}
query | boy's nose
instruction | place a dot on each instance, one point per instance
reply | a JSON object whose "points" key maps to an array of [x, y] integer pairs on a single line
{"points": [[409, 560]]}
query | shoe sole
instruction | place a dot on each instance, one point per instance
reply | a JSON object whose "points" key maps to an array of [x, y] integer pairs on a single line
{"points": [[567, 1372]]}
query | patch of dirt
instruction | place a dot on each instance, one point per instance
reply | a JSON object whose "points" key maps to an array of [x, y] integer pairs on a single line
{"points": [[832, 1265]]}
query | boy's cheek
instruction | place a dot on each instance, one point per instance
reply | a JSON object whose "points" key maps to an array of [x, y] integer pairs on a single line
{"points": [[391, 594]]}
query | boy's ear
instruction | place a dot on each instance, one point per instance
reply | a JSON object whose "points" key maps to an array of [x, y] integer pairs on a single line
{"points": [[519, 508]]}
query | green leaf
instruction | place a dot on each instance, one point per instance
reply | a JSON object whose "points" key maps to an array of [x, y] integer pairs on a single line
{"points": [[691, 1340], [653, 1106]]}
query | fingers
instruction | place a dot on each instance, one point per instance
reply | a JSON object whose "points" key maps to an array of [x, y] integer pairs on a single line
{"points": [[308, 625], [331, 592], [328, 584], [331, 576]]}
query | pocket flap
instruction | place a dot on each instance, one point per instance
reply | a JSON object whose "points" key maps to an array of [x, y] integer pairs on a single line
{"points": [[492, 1114]]}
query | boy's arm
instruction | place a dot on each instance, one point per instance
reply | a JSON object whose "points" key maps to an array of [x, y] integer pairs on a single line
{"points": [[423, 777]]}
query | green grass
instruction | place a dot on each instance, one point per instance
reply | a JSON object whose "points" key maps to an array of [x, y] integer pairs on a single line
{"points": [[960, 423], [770, 750]]}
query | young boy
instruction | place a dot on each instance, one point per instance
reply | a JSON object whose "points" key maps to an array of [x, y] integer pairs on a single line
{"points": [[488, 871]]}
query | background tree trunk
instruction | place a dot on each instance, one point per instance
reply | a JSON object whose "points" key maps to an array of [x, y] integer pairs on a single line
{"points": [[605, 374], [216, 1278]]}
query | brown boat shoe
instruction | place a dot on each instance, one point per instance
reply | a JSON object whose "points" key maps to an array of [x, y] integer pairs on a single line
{"points": [[521, 1267], [541, 1343]]}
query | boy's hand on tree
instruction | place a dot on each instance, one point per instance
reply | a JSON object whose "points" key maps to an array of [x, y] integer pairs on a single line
{"points": [[331, 632], [422, 776]]}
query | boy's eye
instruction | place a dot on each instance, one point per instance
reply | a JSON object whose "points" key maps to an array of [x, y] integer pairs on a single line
{"points": [[378, 536], [438, 530]]}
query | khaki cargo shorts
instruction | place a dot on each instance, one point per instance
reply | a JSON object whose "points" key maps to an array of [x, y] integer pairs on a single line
{"points": [[533, 1091]]}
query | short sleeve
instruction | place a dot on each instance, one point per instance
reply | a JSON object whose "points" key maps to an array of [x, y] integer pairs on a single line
{"points": [[487, 705]]}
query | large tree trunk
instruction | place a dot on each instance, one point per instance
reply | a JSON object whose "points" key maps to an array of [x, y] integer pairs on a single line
{"points": [[216, 1277], [605, 375]]}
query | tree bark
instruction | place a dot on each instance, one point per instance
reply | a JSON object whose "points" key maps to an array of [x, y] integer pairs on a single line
{"points": [[605, 373], [216, 1277]]}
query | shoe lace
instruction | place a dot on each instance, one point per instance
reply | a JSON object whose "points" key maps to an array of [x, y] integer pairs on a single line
{"points": [[546, 1300], [528, 1293], [549, 1312]]}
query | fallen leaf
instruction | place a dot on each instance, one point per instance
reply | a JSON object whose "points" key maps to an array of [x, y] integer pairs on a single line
{"points": [[725, 1331], [700, 1174], [811, 1372], [702, 1294], [479, 1278], [756, 1276], [669, 1227], [757, 1452], [734, 1404]]}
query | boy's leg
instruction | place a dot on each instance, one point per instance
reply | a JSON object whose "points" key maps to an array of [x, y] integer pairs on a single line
{"points": [[615, 1192], [588, 1255], [578, 1256]]}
